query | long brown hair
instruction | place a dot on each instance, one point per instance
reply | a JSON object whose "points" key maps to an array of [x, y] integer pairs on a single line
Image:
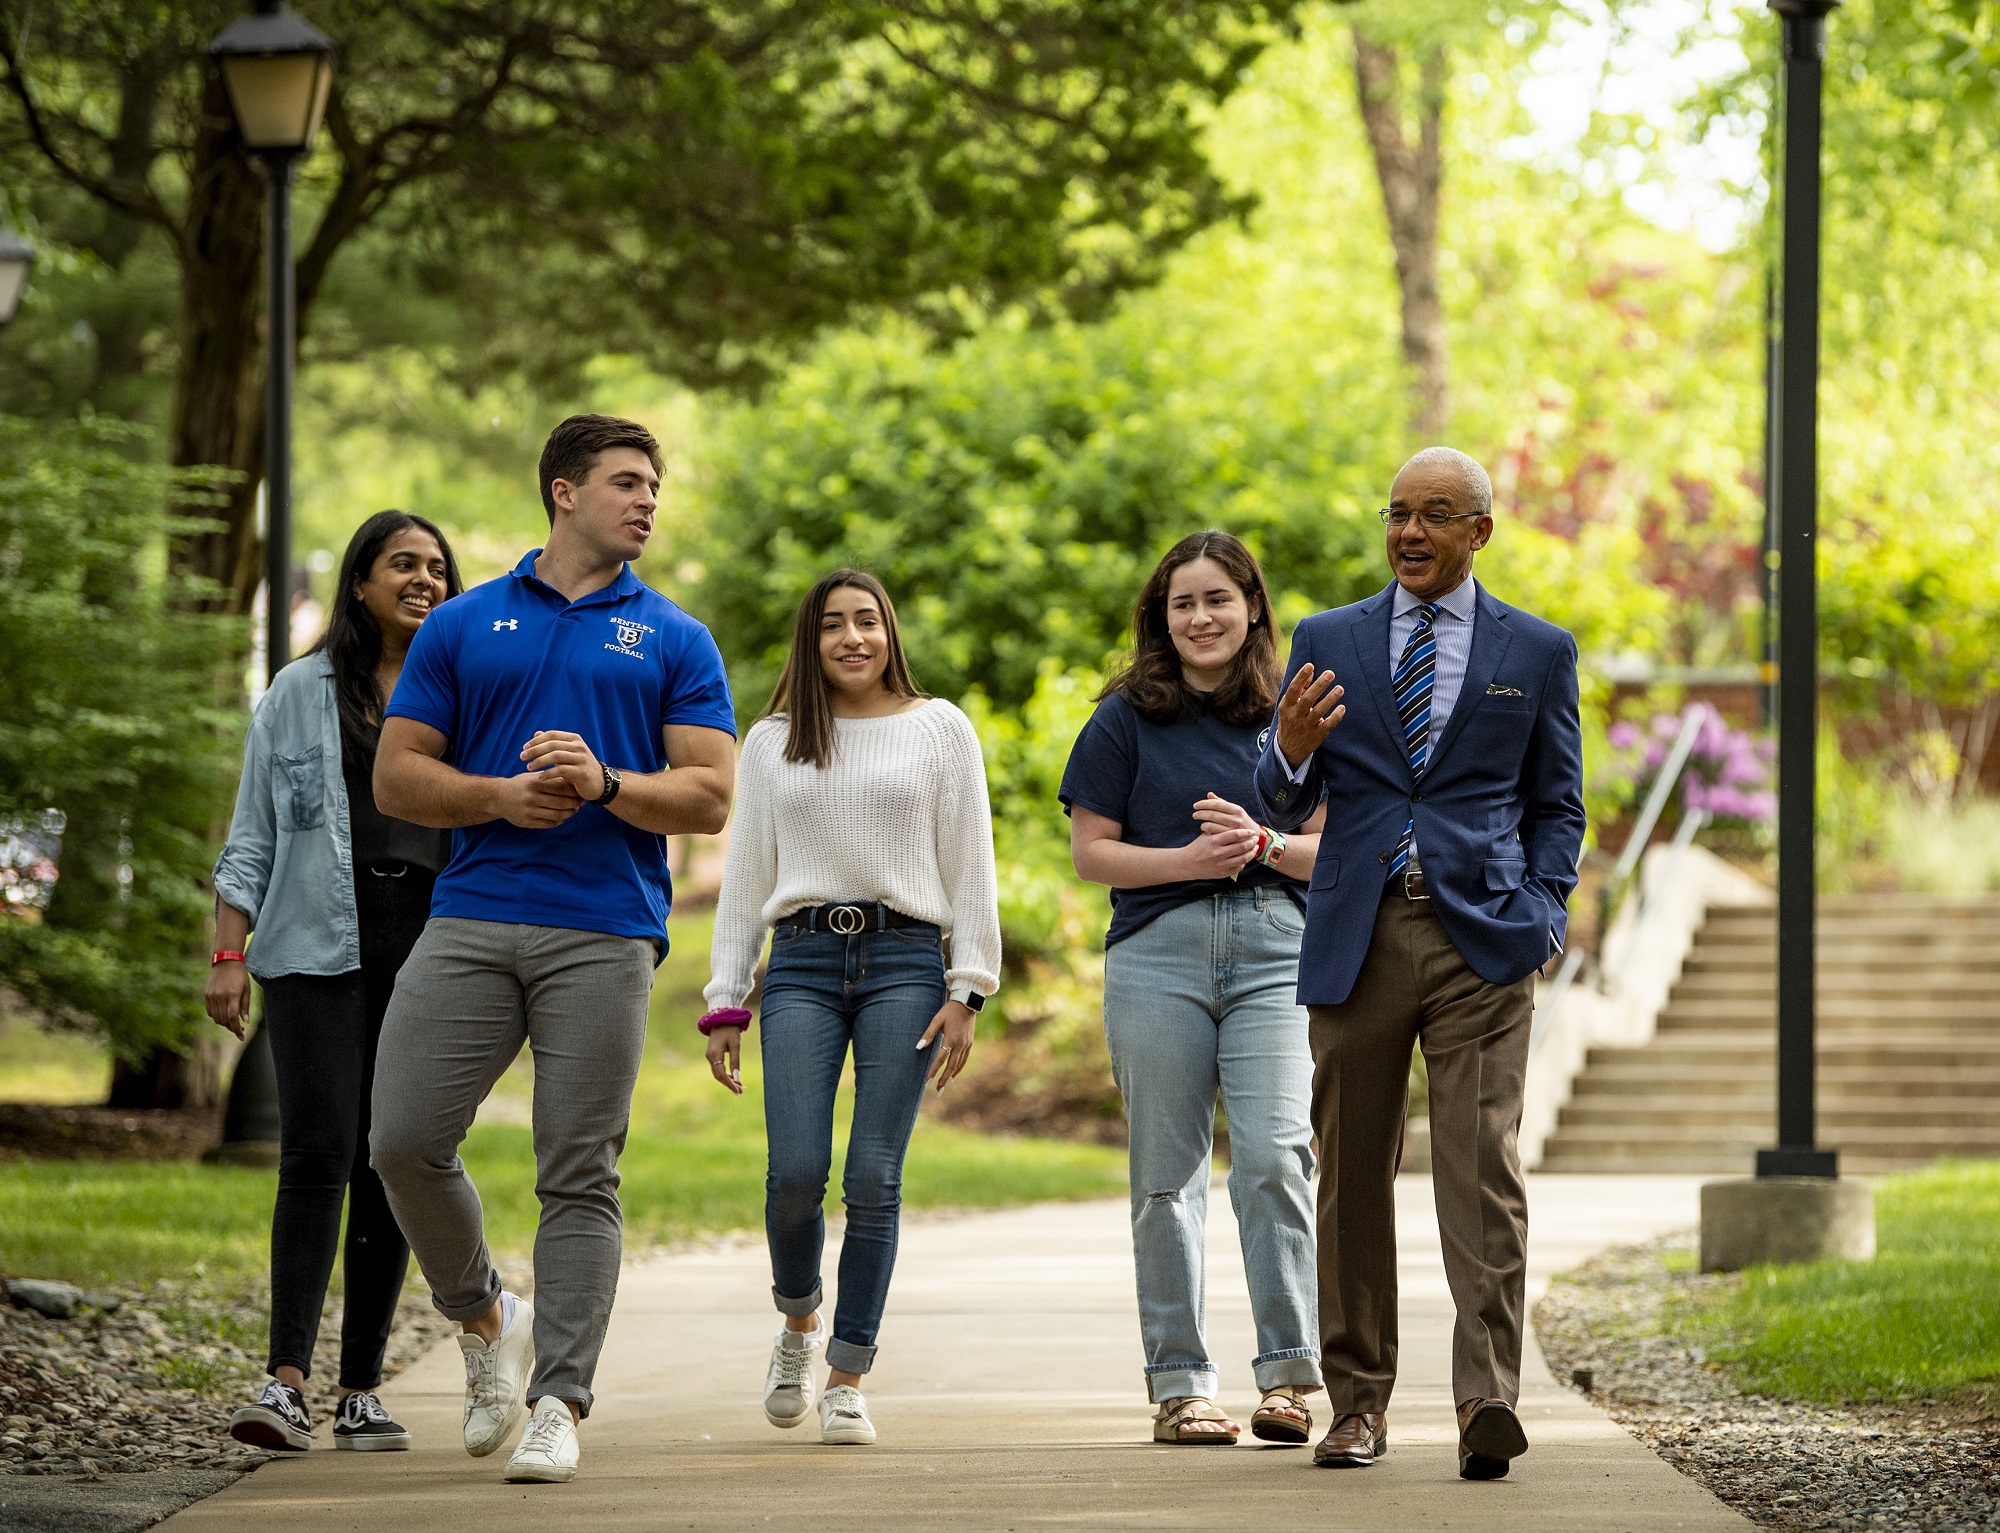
{"points": [[354, 642], [1152, 681], [803, 694]]}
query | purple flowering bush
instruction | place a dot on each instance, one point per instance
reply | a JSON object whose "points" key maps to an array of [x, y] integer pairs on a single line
{"points": [[1729, 773]]}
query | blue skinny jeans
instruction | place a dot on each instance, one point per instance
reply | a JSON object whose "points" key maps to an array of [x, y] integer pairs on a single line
{"points": [[823, 994]]}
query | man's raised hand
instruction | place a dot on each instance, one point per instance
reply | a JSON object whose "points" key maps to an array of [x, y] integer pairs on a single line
{"points": [[1307, 713]]}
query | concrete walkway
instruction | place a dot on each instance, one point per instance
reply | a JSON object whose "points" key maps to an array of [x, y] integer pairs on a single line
{"points": [[1009, 1396]]}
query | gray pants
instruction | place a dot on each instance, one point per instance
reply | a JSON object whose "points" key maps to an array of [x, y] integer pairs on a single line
{"points": [[470, 993]]}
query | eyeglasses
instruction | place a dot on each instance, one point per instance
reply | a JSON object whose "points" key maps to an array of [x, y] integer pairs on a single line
{"points": [[1437, 521]]}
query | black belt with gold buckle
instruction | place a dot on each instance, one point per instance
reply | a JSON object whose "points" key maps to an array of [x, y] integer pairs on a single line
{"points": [[1413, 885], [851, 920]]}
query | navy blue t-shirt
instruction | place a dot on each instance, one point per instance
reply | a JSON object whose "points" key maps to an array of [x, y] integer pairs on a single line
{"points": [[1147, 777], [513, 656]]}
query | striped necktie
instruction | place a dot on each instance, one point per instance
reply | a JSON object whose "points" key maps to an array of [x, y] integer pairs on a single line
{"points": [[1415, 676]]}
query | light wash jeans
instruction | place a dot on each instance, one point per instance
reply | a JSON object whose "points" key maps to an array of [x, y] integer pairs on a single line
{"points": [[1202, 1000]]}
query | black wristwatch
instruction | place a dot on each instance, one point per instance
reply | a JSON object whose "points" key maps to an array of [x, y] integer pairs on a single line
{"points": [[612, 783]]}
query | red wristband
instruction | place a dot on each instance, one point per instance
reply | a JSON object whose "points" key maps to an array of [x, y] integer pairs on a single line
{"points": [[227, 955]]}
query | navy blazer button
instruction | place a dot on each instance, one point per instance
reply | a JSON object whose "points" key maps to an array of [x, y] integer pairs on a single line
{"points": [[1416, 798], [1383, 858]]}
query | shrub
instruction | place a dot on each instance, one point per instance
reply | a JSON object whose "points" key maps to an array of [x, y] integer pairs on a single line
{"points": [[118, 737]]}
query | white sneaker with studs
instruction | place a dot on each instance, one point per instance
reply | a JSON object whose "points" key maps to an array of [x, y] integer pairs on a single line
{"points": [[788, 1387], [843, 1417]]}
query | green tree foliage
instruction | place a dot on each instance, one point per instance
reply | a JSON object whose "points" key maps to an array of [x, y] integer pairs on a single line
{"points": [[1910, 416], [1014, 489], [690, 180], [107, 717]]}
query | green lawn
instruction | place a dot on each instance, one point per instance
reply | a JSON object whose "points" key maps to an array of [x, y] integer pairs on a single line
{"points": [[1922, 1319], [694, 1163]]}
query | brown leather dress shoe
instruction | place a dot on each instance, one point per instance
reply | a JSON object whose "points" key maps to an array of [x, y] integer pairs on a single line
{"points": [[1489, 1437], [1354, 1441]]}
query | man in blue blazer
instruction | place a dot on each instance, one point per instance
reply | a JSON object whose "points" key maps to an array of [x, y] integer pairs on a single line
{"points": [[1440, 728]]}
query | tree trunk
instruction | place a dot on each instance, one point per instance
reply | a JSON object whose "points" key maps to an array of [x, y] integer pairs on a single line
{"points": [[1411, 175], [218, 414]]}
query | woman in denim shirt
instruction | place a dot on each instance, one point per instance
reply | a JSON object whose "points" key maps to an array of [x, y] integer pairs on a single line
{"points": [[337, 893]]}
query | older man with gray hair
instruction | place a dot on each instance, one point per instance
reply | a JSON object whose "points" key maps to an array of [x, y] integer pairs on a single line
{"points": [[1440, 728]]}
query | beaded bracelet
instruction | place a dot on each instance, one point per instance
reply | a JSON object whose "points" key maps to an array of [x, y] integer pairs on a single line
{"points": [[723, 1016]]}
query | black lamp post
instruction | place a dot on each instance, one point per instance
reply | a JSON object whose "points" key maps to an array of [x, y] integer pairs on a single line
{"points": [[1797, 476], [17, 256], [277, 69]]}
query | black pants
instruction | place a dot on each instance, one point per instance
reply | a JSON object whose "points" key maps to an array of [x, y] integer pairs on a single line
{"points": [[324, 1029]]}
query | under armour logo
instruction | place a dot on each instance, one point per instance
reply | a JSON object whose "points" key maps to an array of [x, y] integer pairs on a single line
{"points": [[505, 622]]}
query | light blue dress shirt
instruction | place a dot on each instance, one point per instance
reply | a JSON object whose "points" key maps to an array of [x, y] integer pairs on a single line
{"points": [[1452, 628]]}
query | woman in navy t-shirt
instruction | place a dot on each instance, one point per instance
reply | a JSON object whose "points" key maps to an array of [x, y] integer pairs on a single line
{"points": [[1200, 971]]}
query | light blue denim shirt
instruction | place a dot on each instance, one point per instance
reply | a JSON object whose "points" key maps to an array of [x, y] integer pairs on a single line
{"points": [[287, 863]]}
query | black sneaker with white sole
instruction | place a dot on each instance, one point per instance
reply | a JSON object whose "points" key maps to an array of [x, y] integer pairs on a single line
{"points": [[278, 1419], [364, 1427]]}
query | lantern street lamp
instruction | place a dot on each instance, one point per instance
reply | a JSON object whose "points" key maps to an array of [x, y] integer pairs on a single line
{"points": [[277, 69], [16, 257]]}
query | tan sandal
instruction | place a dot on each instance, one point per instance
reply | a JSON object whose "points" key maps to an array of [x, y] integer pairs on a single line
{"points": [[1282, 1418], [1176, 1420]]}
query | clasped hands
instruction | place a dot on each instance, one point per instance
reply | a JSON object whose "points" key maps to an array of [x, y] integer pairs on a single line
{"points": [[562, 776]]}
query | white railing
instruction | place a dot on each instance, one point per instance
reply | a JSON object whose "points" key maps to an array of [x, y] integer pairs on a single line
{"points": [[1618, 887], [1655, 902]]}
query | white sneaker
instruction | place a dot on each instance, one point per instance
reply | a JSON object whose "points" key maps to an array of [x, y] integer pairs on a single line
{"points": [[843, 1416], [788, 1388], [548, 1451], [496, 1380]]}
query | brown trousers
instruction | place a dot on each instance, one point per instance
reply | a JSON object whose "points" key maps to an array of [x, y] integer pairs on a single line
{"points": [[1415, 988]]}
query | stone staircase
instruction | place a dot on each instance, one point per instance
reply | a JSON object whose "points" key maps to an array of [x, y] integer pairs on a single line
{"points": [[1908, 1036]]}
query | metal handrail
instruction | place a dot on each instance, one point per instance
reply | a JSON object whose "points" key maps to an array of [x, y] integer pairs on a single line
{"points": [[1628, 861]]}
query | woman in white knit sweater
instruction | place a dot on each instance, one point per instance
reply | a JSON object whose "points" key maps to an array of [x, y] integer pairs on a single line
{"points": [[864, 843]]}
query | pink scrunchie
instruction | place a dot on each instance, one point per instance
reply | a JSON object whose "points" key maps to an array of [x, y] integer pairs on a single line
{"points": [[723, 1016]]}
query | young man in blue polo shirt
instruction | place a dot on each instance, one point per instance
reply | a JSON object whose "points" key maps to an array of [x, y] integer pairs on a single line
{"points": [[563, 720]]}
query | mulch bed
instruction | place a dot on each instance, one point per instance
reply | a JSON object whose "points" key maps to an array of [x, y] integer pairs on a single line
{"points": [[1931, 1465], [151, 1384], [45, 1131]]}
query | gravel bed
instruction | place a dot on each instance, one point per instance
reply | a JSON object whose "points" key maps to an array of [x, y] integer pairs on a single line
{"points": [[150, 1385], [1930, 1465]]}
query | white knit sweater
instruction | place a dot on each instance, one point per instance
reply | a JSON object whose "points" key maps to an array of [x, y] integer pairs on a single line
{"points": [[899, 815]]}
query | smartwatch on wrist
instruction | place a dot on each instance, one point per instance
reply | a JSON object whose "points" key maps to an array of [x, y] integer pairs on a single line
{"points": [[969, 998], [612, 783]]}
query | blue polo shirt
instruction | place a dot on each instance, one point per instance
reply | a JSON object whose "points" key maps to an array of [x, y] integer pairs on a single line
{"points": [[513, 656]]}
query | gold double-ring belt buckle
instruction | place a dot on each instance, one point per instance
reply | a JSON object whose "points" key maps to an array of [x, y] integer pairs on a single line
{"points": [[846, 920]]}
